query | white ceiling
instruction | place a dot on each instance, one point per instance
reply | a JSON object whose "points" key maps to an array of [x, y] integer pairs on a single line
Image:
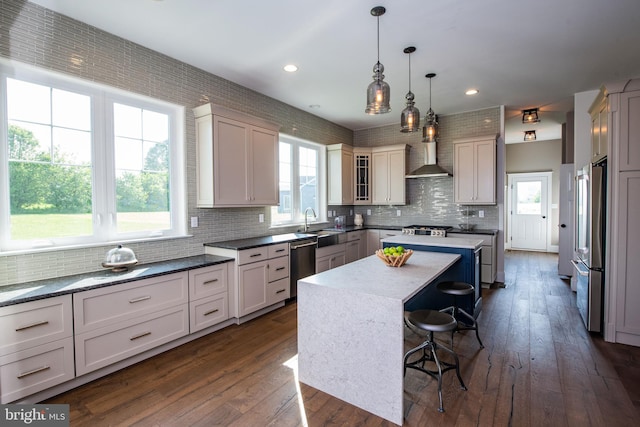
{"points": [[518, 54]]}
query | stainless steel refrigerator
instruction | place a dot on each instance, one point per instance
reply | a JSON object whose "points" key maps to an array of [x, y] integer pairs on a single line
{"points": [[591, 200]]}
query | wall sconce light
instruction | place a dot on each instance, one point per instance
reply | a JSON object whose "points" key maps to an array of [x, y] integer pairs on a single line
{"points": [[529, 135], [530, 116]]}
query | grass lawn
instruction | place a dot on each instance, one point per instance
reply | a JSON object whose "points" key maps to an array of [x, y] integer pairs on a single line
{"points": [[42, 226]]}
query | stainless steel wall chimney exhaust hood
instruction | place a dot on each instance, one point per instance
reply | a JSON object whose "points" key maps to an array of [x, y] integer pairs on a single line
{"points": [[430, 168]]}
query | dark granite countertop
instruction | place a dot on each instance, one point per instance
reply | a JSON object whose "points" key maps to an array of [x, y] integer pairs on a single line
{"points": [[255, 242], [29, 291], [475, 231]]}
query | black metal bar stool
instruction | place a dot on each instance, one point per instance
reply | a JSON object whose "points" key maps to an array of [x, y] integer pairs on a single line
{"points": [[457, 289], [432, 321]]}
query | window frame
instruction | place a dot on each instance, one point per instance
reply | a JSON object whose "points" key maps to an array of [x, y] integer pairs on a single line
{"points": [[102, 161], [296, 209]]}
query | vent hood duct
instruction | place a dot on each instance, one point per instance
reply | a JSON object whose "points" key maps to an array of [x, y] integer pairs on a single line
{"points": [[430, 168]]}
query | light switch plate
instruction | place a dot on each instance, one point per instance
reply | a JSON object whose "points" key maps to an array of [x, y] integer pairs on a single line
{"points": [[398, 212], [261, 218], [481, 214], [368, 212], [194, 221]]}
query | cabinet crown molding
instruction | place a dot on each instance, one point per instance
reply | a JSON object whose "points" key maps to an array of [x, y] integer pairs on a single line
{"points": [[219, 110], [477, 138]]}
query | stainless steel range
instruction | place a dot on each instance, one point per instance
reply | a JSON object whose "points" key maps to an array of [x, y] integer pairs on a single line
{"points": [[427, 230]]}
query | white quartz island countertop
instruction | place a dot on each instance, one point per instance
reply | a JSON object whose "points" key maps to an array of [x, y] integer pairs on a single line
{"points": [[446, 242], [351, 329]]}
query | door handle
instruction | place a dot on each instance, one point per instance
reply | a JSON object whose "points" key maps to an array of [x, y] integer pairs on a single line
{"points": [[544, 217], [563, 225]]}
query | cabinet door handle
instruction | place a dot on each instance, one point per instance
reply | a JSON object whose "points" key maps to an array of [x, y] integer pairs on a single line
{"points": [[208, 282], [135, 300], [33, 371], [280, 291], [32, 325], [279, 268], [280, 250], [211, 312], [255, 255], [135, 337]]}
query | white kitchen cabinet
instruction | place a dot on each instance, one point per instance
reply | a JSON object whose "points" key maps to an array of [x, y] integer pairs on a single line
{"points": [[237, 159], [36, 347], [599, 129], [208, 296], [362, 176], [474, 171], [259, 277], [373, 241], [330, 257], [388, 170], [622, 317], [117, 322], [629, 154], [340, 174], [356, 246]]}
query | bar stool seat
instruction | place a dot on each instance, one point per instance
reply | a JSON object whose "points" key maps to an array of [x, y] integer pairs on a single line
{"points": [[432, 321], [458, 289]]}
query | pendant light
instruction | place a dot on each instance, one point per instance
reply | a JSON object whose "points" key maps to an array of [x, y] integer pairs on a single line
{"points": [[430, 129], [410, 117], [378, 92], [529, 135]]}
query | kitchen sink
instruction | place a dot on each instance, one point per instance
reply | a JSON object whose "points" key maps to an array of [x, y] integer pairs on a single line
{"points": [[329, 237]]}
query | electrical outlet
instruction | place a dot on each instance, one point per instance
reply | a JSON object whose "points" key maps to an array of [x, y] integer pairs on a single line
{"points": [[261, 218], [194, 222], [398, 212], [481, 214], [329, 214], [368, 212], [350, 211]]}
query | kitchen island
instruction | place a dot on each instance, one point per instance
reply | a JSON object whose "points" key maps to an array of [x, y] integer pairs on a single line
{"points": [[467, 269], [351, 328]]}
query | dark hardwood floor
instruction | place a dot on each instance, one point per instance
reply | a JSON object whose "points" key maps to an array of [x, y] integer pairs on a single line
{"points": [[539, 368]]}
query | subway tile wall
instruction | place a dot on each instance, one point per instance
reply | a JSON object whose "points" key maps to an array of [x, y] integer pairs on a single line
{"points": [[39, 37]]}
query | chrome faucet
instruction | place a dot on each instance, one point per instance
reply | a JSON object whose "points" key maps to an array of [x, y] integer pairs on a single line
{"points": [[306, 226]]}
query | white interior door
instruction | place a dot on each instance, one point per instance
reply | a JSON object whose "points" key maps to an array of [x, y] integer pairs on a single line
{"points": [[529, 210]]}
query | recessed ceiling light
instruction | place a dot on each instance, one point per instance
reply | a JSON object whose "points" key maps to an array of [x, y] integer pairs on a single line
{"points": [[472, 92], [290, 68]]}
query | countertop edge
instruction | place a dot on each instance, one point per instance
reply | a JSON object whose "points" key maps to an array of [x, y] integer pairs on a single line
{"points": [[49, 288]]}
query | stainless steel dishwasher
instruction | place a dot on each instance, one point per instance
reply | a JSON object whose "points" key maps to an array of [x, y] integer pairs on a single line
{"points": [[302, 255]]}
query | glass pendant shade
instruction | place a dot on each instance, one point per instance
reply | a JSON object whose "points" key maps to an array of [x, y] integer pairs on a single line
{"points": [[529, 135], [410, 117], [530, 116], [430, 129], [378, 92]]}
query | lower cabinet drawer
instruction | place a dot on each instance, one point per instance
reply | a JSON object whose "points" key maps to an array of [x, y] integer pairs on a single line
{"points": [[207, 312], [104, 346], [278, 268], [278, 291], [35, 369], [36, 322]]}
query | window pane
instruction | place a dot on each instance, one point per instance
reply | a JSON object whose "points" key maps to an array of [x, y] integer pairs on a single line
{"points": [[49, 201], [142, 170], [308, 179], [529, 198], [71, 147], [71, 110], [50, 174], [284, 212], [28, 102]]}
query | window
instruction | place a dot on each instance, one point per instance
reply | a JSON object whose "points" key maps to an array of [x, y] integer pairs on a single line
{"points": [[85, 164], [302, 177]]}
